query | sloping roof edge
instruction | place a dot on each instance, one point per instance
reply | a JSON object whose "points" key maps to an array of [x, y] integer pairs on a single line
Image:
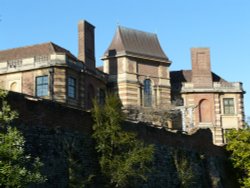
{"points": [[131, 42], [33, 50], [186, 76]]}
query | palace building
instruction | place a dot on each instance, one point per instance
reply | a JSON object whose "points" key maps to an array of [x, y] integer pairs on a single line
{"points": [[52, 72], [208, 100], [136, 68]]}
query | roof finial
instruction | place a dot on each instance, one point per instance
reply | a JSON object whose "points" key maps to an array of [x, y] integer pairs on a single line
{"points": [[156, 31], [117, 23]]}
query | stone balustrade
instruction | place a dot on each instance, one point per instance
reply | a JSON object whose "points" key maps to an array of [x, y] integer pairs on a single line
{"points": [[217, 87]]}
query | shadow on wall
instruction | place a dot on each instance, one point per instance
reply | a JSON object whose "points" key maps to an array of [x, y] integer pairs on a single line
{"points": [[53, 115], [201, 141], [42, 112], [61, 137]]}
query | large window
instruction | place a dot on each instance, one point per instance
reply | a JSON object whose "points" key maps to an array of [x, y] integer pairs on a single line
{"points": [[72, 87], [42, 83], [228, 104], [147, 93]]}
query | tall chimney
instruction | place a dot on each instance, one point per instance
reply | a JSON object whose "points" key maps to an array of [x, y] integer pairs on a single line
{"points": [[86, 43], [201, 68]]}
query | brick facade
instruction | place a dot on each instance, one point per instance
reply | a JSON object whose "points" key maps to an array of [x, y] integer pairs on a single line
{"points": [[203, 94], [137, 69], [59, 67], [130, 65]]}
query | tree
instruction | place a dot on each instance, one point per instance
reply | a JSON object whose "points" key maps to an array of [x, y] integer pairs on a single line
{"points": [[122, 156], [184, 169], [247, 122], [17, 169], [239, 146], [76, 173]]}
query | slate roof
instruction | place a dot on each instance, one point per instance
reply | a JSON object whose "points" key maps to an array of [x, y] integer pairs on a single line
{"points": [[136, 43], [186, 76], [34, 50]]}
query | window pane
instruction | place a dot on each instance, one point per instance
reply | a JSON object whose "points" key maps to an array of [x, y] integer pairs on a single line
{"points": [[228, 106], [71, 87], [39, 80], [45, 79], [42, 86], [147, 93]]}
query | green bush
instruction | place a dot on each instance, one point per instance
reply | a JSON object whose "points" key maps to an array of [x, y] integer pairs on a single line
{"points": [[239, 146], [17, 169], [122, 156]]}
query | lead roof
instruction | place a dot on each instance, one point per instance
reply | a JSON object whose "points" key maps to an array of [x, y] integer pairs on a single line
{"points": [[132, 42]]}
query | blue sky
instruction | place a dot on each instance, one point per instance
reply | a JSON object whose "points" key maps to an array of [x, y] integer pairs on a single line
{"points": [[221, 25]]}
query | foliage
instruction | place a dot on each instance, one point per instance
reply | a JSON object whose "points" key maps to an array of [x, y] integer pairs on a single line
{"points": [[122, 156], [184, 170], [76, 178], [239, 146], [6, 114], [247, 122], [13, 162], [17, 169], [75, 166]]}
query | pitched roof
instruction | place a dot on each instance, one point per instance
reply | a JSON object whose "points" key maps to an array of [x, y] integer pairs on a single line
{"points": [[100, 68], [136, 43], [34, 50], [186, 76]]}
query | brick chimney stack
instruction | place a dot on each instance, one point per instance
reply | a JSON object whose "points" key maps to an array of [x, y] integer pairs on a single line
{"points": [[201, 68], [86, 43]]}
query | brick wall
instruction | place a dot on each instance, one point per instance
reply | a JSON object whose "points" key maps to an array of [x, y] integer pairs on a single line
{"points": [[148, 68], [201, 68], [86, 43], [55, 133]]}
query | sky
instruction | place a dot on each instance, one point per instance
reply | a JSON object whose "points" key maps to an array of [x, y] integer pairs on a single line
{"points": [[221, 25]]}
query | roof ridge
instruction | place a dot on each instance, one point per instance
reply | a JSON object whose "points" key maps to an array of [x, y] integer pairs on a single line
{"points": [[56, 45], [137, 30], [132, 42], [121, 38], [34, 50], [181, 70], [28, 46]]}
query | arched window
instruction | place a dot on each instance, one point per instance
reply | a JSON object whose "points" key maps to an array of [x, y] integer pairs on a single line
{"points": [[13, 86], [147, 93], [205, 111]]}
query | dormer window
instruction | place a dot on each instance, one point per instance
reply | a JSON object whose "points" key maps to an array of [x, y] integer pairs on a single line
{"points": [[15, 63]]}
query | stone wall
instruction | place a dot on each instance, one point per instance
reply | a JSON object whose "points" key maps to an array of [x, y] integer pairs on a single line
{"points": [[61, 137]]}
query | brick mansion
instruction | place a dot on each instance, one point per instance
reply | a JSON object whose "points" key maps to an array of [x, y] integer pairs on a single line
{"points": [[136, 68]]}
